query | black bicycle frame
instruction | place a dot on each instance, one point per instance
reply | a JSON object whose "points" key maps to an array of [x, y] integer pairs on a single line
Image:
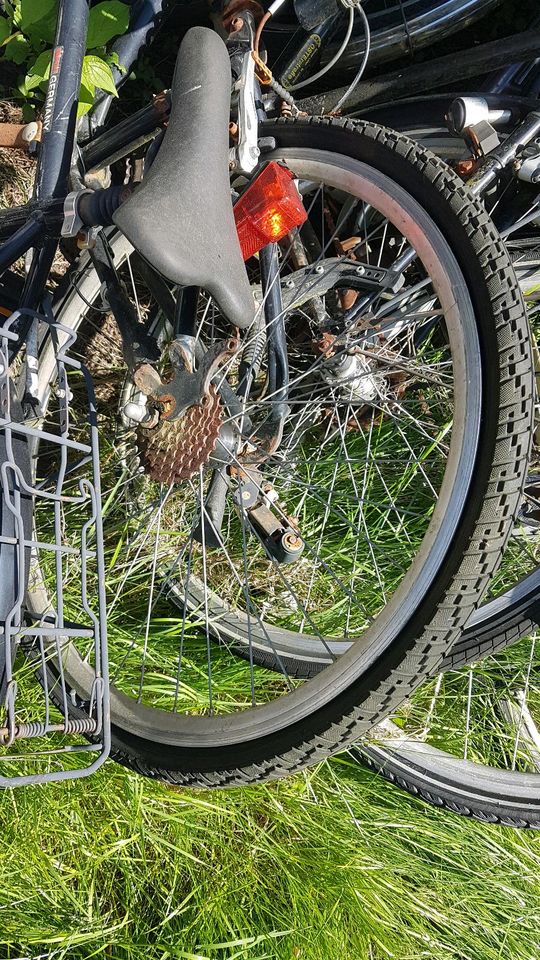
{"points": [[41, 229]]}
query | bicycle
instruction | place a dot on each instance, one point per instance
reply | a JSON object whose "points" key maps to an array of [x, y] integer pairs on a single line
{"points": [[241, 421]]}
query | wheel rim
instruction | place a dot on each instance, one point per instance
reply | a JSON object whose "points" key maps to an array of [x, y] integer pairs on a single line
{"points": [[351, 177]]}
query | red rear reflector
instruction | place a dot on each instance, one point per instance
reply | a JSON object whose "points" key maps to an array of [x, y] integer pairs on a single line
{"points": [[270, 207]]}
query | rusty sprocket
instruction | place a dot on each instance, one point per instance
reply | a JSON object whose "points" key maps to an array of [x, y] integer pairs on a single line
{"points": [[175, 449]]}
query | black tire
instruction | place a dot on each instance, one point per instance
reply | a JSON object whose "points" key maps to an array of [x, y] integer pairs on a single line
{"points": [[488, 794], [515, 613], [506, 797], [346, 711]]}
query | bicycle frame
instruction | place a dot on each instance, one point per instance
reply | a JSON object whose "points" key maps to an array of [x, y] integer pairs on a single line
{"points": [[43, 215]]}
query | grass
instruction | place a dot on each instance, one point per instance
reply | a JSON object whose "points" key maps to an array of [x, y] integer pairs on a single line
{"points": [[330, 864], [333, 864]]}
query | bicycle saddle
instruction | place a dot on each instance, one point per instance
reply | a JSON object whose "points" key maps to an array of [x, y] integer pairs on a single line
{"points": [[180, 218]]}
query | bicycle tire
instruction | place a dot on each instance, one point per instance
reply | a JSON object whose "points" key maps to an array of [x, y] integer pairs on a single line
{"points": [[505, 797], [484, 526], [516, 613]]}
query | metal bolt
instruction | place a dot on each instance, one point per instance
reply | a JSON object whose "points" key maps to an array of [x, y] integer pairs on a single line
{"points": [[254, 152], [289, 284], [135, 411], [64, 394], [292, 542], [246, 495], [361, 270], [319, 269]]}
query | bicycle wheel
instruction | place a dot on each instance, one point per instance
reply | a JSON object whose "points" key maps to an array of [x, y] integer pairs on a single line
{"points": [[357, 458], [499, 784], [510, 610]]}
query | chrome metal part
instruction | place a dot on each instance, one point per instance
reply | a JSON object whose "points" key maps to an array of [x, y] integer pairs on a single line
{"points": [[527, 164], [72, 221], [488, 170], [247, 150], [467, 111], [138, 412], [354, 378]]}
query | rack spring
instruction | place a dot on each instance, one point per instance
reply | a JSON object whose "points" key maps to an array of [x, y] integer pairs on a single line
{"points": [[25, 731]]}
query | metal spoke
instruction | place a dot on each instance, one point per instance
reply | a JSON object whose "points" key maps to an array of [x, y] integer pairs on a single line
{"points": [[150, 597]]}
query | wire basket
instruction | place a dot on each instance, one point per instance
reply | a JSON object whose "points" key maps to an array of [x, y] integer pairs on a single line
{"points": [[51, 538]]}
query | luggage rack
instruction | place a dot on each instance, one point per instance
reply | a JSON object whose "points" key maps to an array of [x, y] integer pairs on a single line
{"points": [[51, 539]]}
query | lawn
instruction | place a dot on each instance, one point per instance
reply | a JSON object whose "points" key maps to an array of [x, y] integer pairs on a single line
{"points": [[331, 864]]}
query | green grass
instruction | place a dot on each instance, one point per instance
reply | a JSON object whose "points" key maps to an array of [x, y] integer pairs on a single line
{"points": [[331, 864]]}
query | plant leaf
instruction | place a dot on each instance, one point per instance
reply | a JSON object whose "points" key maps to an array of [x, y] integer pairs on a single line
{"points": [[37, 19], [99, 74], [37, 73], [33, 10], [17, 49], [5, 29], [107, 20], [86, 99]]}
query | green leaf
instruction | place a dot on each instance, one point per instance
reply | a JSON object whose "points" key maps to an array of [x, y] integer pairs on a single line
{"points": [[28, 112], [41, 67], [106, 20], [86, 99], [32, 11], [5, 29], [95, 71], [17, 49], [37, 73], [113, 61], [38, 28]]}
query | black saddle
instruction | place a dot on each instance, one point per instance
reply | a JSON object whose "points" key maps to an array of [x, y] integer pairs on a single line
{"points": [[180, 218]]}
